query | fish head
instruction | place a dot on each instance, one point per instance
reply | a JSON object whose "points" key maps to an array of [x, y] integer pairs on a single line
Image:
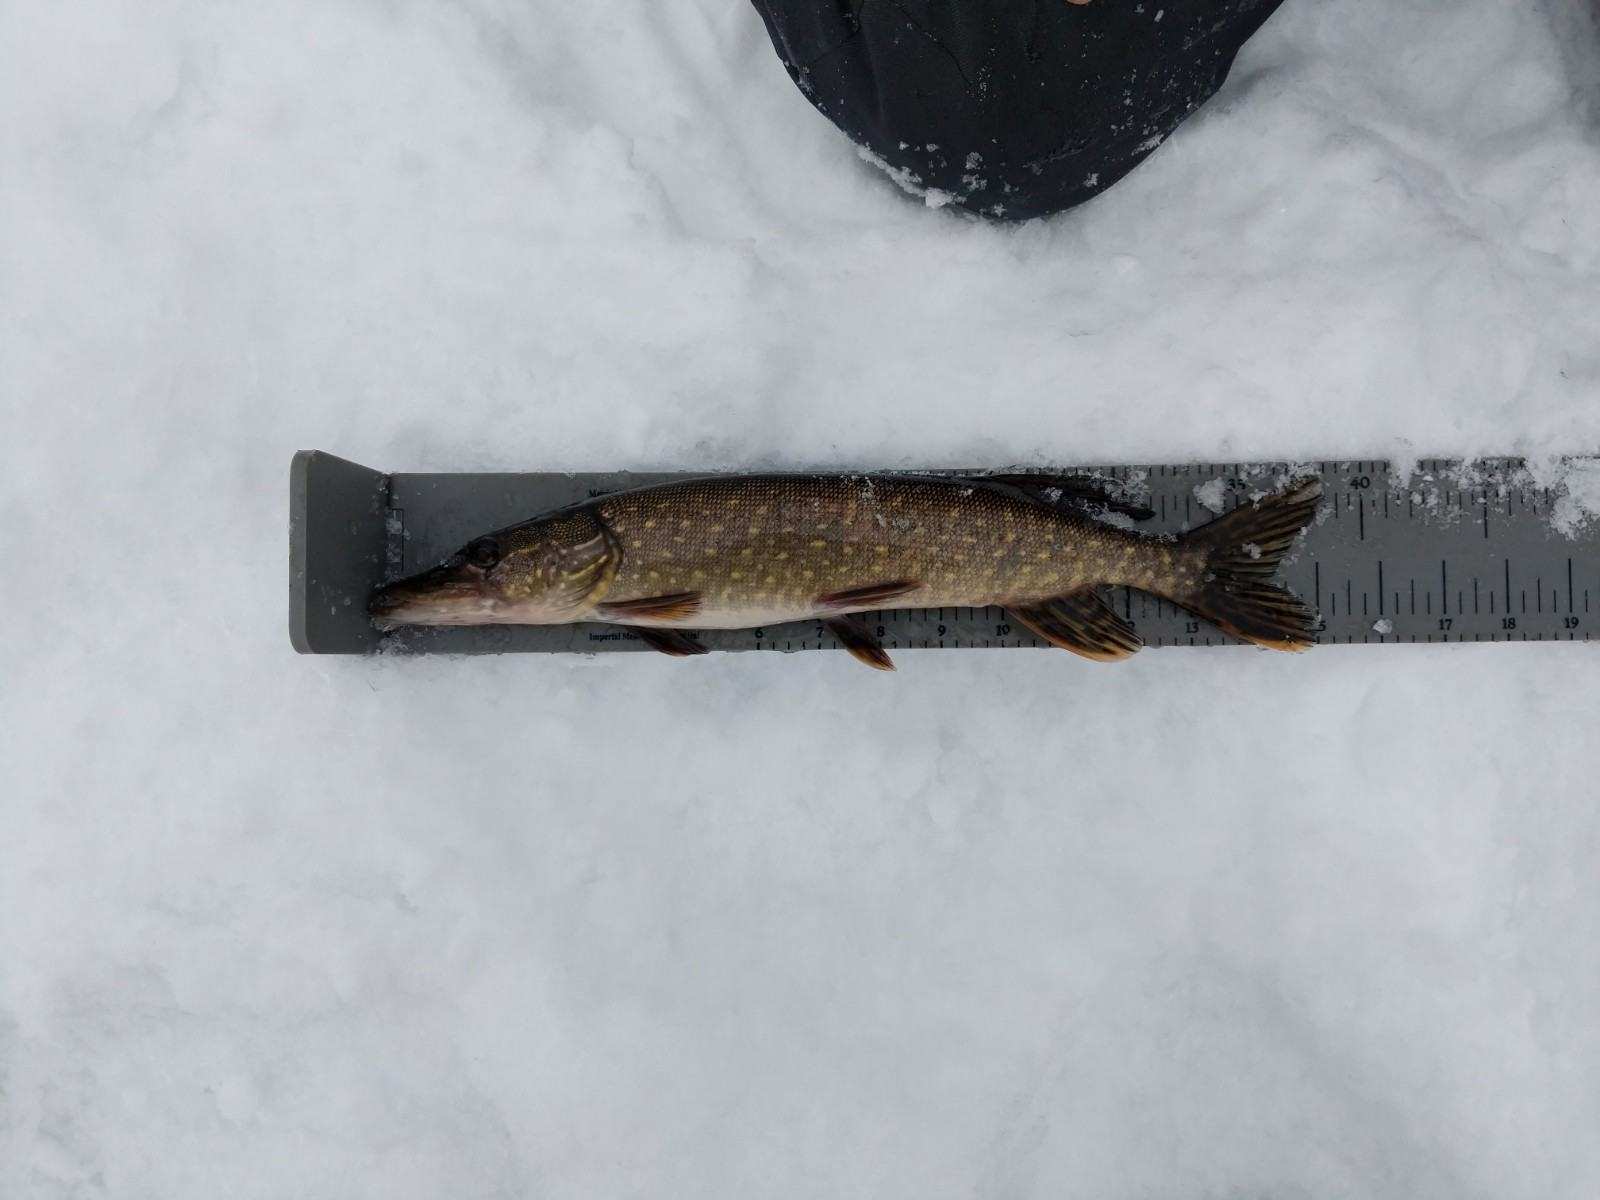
{"points": [[543, 572]]}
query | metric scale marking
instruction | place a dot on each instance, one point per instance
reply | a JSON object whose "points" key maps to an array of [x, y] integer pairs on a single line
{"points": [[1450, 555]]}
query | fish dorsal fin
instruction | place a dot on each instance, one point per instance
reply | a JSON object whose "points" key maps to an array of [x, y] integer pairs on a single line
{"points": [[1083, 623], [678, 606], [1083, 491], [855, 637], [874, 595], [668, 641]]}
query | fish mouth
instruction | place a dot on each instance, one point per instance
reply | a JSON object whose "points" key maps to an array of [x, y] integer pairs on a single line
{"points": [[449, 594]]}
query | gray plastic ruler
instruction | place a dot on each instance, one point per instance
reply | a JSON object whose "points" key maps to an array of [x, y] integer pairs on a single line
{"points": [[1452, 554]]}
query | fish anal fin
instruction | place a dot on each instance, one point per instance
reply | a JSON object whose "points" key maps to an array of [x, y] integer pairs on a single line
{"points": [[855, 637], [1083, 623], [668, 641], [874, 595], [678, 606]]}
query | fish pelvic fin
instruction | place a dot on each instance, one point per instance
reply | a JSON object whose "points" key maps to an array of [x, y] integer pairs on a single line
{"points": [[1083, 623], [678, 606], [874, 595], [668, 641], [862, 643], [1243, 552]]}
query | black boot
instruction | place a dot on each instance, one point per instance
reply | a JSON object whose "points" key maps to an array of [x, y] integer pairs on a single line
{"points": [[1010, 108]]}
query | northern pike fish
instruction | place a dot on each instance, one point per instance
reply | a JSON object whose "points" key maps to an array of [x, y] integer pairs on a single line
{"points": [[744, 551]]}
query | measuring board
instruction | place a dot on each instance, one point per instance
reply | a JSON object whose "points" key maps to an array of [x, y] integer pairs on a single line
{"points": [[1453, 554]]}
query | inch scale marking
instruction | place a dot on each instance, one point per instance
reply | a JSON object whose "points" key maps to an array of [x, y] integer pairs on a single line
{"points": [[1450, 555]]}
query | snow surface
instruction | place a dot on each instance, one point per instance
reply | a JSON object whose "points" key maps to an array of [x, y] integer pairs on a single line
{"points": [[1207, 924]]}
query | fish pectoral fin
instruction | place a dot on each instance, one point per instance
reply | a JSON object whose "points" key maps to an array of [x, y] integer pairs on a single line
{"points": [[855, 637], [668, 641], [678, 606], [1084, 491], [871, 596], [1082, 622]]}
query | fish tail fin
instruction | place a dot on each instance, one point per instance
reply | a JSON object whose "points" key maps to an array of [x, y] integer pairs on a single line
{"points": [[1243, 552]]}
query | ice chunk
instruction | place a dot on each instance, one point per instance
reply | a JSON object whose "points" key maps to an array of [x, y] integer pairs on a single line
{"points": [[1213, 495]]}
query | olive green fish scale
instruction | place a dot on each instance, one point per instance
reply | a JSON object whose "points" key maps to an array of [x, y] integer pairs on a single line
{"points": [[765, 548]]}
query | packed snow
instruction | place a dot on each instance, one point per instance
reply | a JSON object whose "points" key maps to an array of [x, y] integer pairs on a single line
{"points": [[1213, 495], [1205, 924]]}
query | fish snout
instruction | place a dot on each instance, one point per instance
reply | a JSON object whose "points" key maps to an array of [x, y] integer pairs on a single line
{"points": [[385, 600], [432, 597]]}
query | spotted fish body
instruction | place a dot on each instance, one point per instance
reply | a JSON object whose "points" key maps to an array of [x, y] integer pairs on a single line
{"points": [[741, 551], [761, 550]]}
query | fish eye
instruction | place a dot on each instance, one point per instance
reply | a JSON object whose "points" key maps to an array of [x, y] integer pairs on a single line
{"points": [[483, 553]]}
